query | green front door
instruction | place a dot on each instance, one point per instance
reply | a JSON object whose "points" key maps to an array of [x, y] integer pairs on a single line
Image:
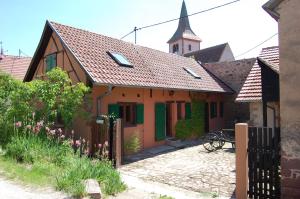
{"points": [[160, 121]]}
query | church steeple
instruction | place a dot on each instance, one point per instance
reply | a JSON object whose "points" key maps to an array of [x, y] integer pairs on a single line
{"points": [[184, 39]]}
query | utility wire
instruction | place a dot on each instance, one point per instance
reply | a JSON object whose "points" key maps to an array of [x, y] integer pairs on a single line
{"points": [[256, 46], [22, 52], [171, 20]]}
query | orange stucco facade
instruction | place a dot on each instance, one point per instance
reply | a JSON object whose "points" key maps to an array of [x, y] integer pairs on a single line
{"points": [[146, 131], [146, 96]]}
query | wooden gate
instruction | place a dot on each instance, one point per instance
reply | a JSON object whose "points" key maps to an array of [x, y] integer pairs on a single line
{"points": [[104, 132], [264, 162]]}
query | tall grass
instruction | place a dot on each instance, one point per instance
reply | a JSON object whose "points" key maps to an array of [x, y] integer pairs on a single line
{"points": [[55, 160]]}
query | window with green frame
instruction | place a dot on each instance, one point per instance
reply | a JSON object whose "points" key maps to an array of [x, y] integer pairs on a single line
{"points": [[50, 61], [213, 109]]}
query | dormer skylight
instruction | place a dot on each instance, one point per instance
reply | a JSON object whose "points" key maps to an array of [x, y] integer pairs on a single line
{"points": [[119, 59], [191, 72]]}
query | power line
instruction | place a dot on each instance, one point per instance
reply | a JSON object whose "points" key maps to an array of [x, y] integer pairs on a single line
{"points": [[171, 20], [256, 46], [22, 52]]}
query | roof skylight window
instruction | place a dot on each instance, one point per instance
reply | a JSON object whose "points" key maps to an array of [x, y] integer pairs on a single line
{"points": [[191, 72], [119, 59]]}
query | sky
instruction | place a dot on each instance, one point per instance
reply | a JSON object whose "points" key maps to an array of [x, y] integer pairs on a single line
{"points": [[243, 24]]}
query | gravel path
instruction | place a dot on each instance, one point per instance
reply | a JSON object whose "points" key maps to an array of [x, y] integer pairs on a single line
{"points": [[13, 190]]}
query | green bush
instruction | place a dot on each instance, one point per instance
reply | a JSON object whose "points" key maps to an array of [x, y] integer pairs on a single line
{"points": [[132, 144], [194, 126], [39, 100], [20, 149], [183, 129]]}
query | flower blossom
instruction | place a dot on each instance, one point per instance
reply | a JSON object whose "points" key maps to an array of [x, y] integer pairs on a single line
{"points": [[52, 132], [18, 124], [77, 143]]}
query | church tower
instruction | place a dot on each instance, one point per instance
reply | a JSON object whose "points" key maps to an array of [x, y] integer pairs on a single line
{"points": [[184, 39]]}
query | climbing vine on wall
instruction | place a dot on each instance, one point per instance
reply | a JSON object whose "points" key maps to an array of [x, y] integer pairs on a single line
{"points": [[194, 126]]}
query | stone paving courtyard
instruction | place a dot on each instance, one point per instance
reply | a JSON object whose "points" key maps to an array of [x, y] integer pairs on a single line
{"points": [[191, 168]]}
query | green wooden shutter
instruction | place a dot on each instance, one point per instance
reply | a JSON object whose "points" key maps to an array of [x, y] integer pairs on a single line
{"points": [[114, 109], [188, 111], [140, 113], [160, 121]]}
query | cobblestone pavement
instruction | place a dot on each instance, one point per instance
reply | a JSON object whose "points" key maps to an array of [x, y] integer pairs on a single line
{"points": [[191, 168]]}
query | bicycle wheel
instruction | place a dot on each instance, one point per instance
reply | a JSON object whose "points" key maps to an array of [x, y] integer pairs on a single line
{"points": [[211, 142], [222, 138]]}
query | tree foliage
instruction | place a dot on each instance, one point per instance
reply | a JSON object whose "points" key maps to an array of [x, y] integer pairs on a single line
{"points": [[44, 99]]}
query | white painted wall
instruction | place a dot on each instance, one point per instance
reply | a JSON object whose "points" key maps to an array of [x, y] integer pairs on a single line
{"points": [[184, 46]]}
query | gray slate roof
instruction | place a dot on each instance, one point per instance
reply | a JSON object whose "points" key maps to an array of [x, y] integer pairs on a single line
{"points": [[184, 29], [208, 55]]}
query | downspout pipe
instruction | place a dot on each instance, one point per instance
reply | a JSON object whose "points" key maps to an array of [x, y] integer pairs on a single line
{"points": [[100, 97]]}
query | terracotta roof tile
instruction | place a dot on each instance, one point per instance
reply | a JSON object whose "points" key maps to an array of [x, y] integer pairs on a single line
{"points": [[14, 65], [252, 90], [233, 73], [151, 68]]}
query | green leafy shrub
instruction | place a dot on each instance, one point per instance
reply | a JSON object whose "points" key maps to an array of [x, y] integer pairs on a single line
{"points": [[132, 144], [43, 98], [20, 150], [194, 126], [183, 129]]}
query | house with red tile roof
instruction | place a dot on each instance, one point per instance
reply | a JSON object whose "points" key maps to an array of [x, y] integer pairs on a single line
{"points": [[16, 66], [261, 89], [233, 74], [149, 89]]}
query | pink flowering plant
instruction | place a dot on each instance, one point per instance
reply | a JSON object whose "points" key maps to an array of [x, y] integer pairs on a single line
{"points": [[102, 151]]}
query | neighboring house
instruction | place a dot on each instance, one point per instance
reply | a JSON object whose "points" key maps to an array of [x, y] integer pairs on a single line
{"points": [[261, 89], [233, 74], [16, 66], [218, 53], [149, 89], [286, 12]]}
